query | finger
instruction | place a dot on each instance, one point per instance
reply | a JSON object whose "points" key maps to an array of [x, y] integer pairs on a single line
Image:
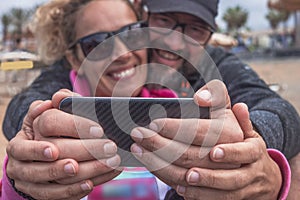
{"points": [[232, 179], [172, 175], [20, 148], [37, 172], [204, 132], [58, 123], [214, 94], [241, 112], [99, 180], [238, 153], [189, 131], [105, 168], [201, 132], [191, 193], [174, 152], [86, 149], [35, 109], [53, 191], [60, 95]]}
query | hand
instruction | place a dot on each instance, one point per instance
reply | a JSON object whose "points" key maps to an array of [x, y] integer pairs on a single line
{"points": [[62, 166], [172, 146], [259, 177]]}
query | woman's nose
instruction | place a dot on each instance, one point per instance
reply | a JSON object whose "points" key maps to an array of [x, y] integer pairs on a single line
{"points": [[121, 51]]}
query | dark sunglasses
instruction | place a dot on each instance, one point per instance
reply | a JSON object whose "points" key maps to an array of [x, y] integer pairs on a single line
{"points": [[136, 39]]}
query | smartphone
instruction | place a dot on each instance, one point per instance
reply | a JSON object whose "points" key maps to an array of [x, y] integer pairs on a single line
{"points": [[119, 115]]}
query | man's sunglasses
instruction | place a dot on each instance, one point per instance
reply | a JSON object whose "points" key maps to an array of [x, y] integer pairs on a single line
{"points": [[135, 39]]}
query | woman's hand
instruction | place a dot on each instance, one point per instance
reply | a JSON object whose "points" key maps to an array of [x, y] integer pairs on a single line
{"points": [[47, 159]]}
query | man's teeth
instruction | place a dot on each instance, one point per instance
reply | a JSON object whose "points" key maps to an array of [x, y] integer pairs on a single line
{"points": [[168, 55], [124, 74]]}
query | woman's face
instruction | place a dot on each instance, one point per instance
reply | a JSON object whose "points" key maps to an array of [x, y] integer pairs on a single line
{"points": [[120, 73]]}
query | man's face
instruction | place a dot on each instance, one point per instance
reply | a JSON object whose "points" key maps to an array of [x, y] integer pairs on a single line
{"points": [[189, 36]]}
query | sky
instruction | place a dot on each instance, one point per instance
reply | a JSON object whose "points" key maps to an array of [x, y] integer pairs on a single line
{"points": [[257, 10]]}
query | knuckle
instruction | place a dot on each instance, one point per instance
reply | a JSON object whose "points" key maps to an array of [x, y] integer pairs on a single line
{"points": [[239, 181], [98, 164], [188, 157], [40, 194], [28, 174], [10, 148], [179, 178], [153, 145], [10, 170], [47, 119], [70, 191], [208, 179], [53, 172]]}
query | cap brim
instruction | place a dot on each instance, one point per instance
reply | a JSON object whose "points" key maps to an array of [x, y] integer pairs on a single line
{"points": [[192, 8]]}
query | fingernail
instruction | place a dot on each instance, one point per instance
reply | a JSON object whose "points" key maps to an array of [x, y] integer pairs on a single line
{"points": [[113, 162], [96, 131], [205, 95], [218, 153], [137, 135], [86, 187], [193, 177], [153, 126], [137, 150], [110, 148], [48, 153], [180, 190], [69, 169]]}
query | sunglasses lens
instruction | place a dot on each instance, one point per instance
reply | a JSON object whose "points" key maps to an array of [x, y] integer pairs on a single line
{"points": [[136, 37], [89, 46], [99, 46]]}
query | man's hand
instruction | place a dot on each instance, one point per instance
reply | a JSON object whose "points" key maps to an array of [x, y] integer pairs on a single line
{"points": [[231, 162], [259, 177], [172, 146]]}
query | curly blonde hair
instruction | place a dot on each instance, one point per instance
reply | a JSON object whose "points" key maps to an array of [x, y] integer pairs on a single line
{"points": [[53, 27]]}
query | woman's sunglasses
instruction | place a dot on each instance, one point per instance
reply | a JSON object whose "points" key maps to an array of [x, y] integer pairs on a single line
{"points": [[92, 50]]}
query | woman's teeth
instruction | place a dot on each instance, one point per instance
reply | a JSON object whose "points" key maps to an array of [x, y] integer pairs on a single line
{"points": [[124, 74]]}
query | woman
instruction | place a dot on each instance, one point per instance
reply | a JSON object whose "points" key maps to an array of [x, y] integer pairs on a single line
{"points": [[65, 31]]}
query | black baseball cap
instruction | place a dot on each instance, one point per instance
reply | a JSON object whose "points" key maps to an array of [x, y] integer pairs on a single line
{"points": [[206, 10]]}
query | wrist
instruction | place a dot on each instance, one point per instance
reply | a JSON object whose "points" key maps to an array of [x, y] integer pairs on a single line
{"points": [[285, 170], [8, 190]]}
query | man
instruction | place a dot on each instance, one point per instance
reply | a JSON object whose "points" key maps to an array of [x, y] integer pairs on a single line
{"points": [[269, 114]]}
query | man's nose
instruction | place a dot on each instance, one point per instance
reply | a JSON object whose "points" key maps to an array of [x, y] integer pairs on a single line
{"points": [[175, 40]]}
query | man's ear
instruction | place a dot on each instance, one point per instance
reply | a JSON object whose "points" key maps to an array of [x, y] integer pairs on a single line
{"points": [[74, 61]]}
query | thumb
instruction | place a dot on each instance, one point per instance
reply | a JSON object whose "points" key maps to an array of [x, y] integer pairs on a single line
{"points": [[241, 113]]}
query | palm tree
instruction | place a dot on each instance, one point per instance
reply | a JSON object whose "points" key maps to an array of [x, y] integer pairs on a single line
{"points": [[275, 17], [235, 18], [6, 22], [20, 17]]}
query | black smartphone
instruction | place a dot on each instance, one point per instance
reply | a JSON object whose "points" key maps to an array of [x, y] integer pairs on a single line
{"points": [[119, 115]]}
